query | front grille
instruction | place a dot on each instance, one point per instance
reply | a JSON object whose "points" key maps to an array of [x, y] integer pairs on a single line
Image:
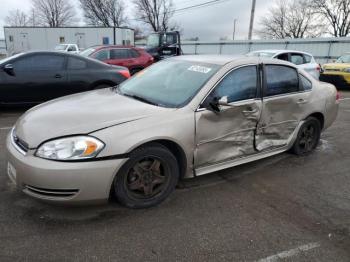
{"points": [[332, 70], [59, 193]]}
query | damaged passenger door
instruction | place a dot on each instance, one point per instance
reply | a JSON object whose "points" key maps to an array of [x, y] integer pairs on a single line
{"points": [[227, 119], [284, 106]]}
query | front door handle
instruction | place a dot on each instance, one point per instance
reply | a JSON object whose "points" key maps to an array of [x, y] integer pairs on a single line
{"points": [[252, 111], [58, 76]]}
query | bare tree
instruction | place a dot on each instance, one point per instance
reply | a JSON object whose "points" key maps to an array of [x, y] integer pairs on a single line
{"points": [[156, 13], [337, 14], [16, 18], [54, 13], [290, 19], [104, 12]]}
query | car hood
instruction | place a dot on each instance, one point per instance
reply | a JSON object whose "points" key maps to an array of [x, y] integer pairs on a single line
{"points": [[81, 114], [336, 66]]}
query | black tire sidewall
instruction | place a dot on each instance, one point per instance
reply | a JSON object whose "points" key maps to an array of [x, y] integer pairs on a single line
{"points": [[155, 150], [316, 123]]}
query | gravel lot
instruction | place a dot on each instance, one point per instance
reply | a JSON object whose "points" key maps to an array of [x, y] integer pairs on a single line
{"points": [[284, 208]]}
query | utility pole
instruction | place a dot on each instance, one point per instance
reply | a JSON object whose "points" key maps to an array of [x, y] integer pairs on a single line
{"points": [[252, 14], [234, 28]]}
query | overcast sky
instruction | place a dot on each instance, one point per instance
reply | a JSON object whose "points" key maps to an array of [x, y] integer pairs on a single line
{"points": [[208, 23]]}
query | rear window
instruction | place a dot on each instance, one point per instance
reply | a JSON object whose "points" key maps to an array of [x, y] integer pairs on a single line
{"points": [[307, 58], [281, 80], [305, 83], [76, 63]]}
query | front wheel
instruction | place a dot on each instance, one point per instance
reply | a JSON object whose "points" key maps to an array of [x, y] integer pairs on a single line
{"points": [[308, 137], [147, 178]]}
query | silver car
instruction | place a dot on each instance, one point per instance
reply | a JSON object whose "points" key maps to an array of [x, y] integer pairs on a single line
{"points": [[302, 60], [180, 118]]}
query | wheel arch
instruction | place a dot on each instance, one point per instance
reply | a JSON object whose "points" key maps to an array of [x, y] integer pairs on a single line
{"points": [[320, 117], [175, 149], [102, 82]]}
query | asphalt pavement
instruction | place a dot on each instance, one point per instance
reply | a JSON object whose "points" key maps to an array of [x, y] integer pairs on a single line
{"points": [[283, 208]]}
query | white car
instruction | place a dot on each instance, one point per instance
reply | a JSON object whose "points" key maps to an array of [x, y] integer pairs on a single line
{"points": [[70, 48], [302, 60]]}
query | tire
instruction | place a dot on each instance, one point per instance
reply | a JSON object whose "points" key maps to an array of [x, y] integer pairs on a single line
{"points": [[101, 86], [147, 178], [308, 137]]}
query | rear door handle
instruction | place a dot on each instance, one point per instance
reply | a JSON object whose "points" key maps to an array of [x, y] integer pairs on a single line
{"points": [[58, 76], [302, 101]]}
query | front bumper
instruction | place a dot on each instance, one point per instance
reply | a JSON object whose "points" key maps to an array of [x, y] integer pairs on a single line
{"points": [[66, 182], [340, 81]]}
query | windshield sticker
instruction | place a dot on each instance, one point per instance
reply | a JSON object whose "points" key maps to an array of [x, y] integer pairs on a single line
{"points": [[200, 69]]}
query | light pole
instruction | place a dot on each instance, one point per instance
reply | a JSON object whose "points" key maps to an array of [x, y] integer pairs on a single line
{"points": [[234, 28], [251, 20]]}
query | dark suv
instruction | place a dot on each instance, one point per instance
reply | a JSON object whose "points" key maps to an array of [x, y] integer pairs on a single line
{"points": [[133, 58]]}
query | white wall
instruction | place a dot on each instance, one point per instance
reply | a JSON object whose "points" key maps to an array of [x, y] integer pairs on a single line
{"points": [[323, 49], [21, 39]]}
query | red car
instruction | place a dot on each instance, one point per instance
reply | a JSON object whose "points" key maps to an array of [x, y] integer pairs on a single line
{"points": [[133, 58]]}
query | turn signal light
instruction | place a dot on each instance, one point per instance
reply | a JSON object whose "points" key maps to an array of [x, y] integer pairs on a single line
{"points": [[124, 73]]}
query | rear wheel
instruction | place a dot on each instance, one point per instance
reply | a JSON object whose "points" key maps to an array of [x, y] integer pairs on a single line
{"points": [[147, 178], [308, 137]]}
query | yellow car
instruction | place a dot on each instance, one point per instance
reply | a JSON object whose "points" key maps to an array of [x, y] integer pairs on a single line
{"points": [[338, 73]]}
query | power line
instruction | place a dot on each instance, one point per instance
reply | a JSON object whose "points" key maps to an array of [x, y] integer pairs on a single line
{"points": [[205, 4]]}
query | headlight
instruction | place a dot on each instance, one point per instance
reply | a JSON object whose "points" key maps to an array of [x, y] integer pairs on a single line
{"points": [[347, 70], [70, 148]]}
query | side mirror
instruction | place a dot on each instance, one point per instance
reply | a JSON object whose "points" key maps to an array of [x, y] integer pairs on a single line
{"points": [[214, 103], [9, 69], [223, 101]]}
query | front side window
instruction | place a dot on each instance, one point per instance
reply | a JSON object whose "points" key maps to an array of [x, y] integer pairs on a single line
{"points": [[280, 80], [240, 84], [102, 55], [297, 59], [39, 63], [170, 83]]}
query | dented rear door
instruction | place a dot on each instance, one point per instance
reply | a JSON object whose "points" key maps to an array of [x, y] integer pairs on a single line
{"points": [[229, 134], [284, 106]]}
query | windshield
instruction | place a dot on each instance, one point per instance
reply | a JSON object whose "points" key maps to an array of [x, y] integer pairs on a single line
{"points": [[153, 40], [61, 47], [170, 83], [344, 59], [261, 54], [87, 52]]}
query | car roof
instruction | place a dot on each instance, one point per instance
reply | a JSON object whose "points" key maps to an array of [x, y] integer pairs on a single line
{"points": [[112, 46], [225, 59], [277, 51]]}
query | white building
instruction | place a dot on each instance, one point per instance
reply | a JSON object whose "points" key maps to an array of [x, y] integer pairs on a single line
{"points": [[3, 52], [19, 39]]}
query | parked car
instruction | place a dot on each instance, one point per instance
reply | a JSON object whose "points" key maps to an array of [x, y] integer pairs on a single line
{"points": [[70, 48], [182, 117], [338, 73], [36, 77], [133, 58], [301, 59]]}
